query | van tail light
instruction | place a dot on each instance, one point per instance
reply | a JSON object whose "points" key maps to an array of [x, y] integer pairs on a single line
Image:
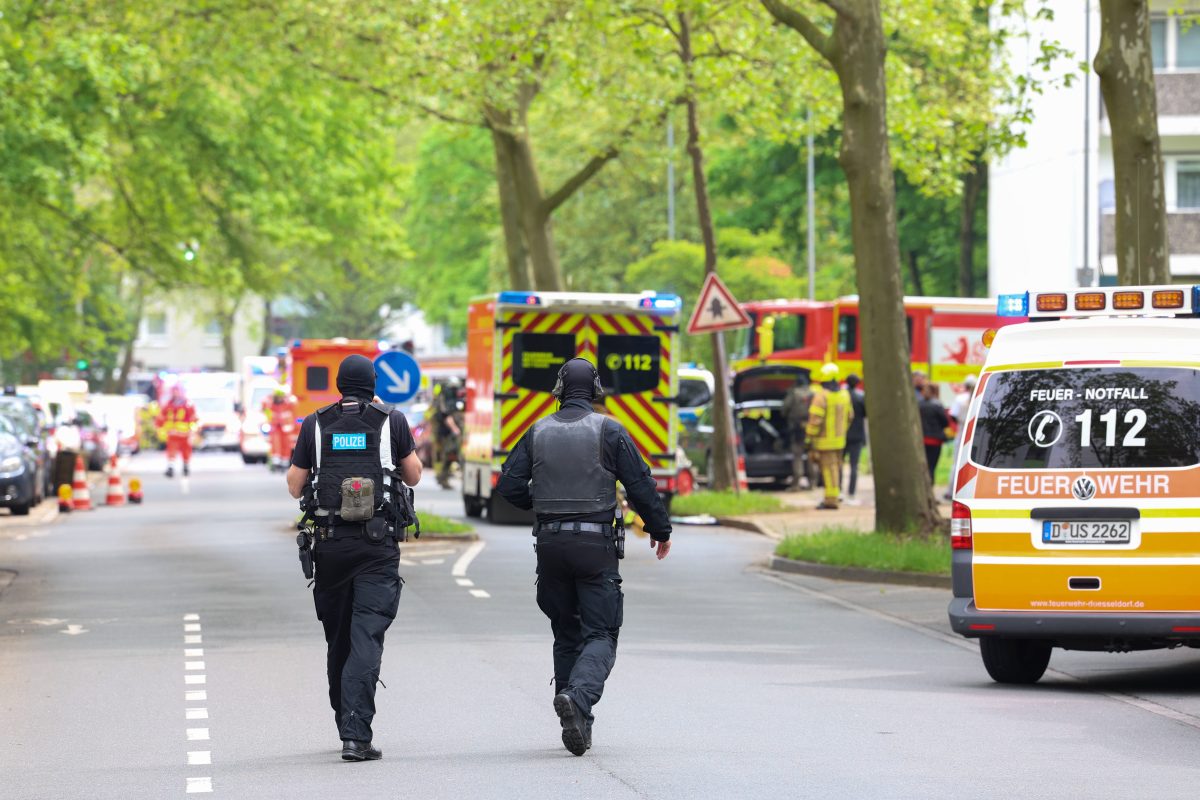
{"points": [[960, 527]]}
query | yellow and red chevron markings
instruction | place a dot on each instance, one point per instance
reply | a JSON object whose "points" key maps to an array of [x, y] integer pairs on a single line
{"points": [[647, 422]]}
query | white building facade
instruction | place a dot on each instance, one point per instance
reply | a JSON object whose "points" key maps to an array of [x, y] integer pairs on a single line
{"points": [[179, 333], [1050, 204]]}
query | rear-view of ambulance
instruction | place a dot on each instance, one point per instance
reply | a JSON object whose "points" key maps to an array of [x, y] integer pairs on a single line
{"points": [[1076, 520], [516, 344]]}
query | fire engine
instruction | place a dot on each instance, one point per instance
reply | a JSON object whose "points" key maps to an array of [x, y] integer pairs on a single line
{"points": [[516, 344], [944, 334]]}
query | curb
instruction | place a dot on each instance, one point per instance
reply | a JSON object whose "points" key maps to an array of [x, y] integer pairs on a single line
{"points": [[858, 574], [746, 524]]}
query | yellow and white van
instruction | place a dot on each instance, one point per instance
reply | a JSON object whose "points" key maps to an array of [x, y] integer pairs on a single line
{"points": [[1076, 519]]}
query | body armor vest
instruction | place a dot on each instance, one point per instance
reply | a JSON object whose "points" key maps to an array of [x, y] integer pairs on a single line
{"points": [[568, 474], [354, 444]]}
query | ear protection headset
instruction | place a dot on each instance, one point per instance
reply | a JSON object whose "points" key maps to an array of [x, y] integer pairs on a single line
{"points": [[597, 389]]}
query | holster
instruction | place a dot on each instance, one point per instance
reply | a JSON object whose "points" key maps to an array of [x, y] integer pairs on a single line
{"points": [[306, 554], [619, 537]]}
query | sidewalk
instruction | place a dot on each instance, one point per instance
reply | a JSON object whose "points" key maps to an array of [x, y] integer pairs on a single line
{"points": [[803, 517]]}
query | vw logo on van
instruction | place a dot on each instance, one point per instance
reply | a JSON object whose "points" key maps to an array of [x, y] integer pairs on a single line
{"points": [[1084, 488]]}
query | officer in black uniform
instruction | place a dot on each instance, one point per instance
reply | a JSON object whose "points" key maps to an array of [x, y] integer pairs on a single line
{"points": [[353, 453], [566, 468]]}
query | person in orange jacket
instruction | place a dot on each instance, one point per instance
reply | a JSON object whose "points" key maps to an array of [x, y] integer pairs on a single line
{"points": [[177, 421], [280, 413]]}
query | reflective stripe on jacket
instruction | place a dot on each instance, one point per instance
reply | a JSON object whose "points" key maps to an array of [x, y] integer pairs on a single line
{"points": [[177, 420], [829, 419]]}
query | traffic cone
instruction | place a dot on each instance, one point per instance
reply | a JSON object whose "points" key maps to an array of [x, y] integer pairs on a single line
{"points": [[135, 490], [64, 498], [82, 498], [116, 492], [742, 480]]}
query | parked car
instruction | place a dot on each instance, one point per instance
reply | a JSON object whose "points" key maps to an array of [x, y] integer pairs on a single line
{"points": [[763, 439], [22, 477], [29, 422], [695, 392]]}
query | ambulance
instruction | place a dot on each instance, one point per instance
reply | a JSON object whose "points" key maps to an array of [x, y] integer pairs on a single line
{"points": [[516, 344], [312, 366], [1076, 514]]}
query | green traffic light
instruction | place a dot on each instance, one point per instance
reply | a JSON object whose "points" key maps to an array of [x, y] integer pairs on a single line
{"points": [[81, 364]]}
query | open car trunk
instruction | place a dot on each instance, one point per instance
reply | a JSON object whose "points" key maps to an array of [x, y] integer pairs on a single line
{"points": [[758, 395]]}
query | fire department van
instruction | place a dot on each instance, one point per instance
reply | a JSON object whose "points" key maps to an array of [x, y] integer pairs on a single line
{"points": [[312, 366], [1076, 516], [516, 343]]}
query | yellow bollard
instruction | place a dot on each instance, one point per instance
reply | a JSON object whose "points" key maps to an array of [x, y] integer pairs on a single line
{"points": [[65, 500]]}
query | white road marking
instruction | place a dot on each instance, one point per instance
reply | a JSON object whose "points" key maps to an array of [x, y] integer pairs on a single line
{"points": [[195, 695], [464, 561], [193, 639], [199, 785], [479, 593], [20, 537], [195, 713], [193, 665], [433, 561], [195, 679], [970, 644], [193, 652], [74, 630], [439, 552], [191, 617], [197, 734], [464, 581], [191, 627], [198, 757], [405, 562], [186, 486]]}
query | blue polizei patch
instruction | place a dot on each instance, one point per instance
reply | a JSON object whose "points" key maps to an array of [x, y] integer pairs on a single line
{"points": [[349, 441]]}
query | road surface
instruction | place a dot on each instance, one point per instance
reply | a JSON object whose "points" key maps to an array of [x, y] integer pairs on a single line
{"points": [[172, 648]]}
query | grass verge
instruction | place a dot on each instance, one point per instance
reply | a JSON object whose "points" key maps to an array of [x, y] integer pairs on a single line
{"points": [[724, 504], [432, 523], [845, 547]]}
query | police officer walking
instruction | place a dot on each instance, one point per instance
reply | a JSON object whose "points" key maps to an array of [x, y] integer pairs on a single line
{"points": [[566, 468], [349, 460]]}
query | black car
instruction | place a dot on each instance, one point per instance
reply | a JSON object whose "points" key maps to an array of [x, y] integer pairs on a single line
{"points": [[31, 428], [22, 477]]}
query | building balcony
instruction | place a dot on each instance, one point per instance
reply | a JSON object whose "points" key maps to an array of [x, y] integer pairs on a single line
{"points": [[1183, 233]]}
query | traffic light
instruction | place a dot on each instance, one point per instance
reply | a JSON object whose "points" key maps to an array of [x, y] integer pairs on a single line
{"points": [[81, 364]]}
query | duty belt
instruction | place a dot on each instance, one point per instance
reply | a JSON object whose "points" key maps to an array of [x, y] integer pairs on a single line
{"points": [[572, 527]]}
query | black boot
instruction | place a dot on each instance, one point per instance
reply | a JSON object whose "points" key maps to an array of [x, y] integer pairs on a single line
{"points": [[575, 733], [185, 469], [353, 750], [170, 473]]}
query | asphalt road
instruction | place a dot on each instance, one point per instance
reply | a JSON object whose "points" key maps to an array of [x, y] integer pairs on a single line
{"points": [[730, 682]]}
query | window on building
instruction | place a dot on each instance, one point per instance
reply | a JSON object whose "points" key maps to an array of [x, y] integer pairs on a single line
{"points": [[1158, 42], [213, 327], [156, 323], [1187, 43], [1187, 185]]}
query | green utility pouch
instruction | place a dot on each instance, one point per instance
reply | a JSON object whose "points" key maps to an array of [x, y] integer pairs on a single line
{"points": [[358, 500]]}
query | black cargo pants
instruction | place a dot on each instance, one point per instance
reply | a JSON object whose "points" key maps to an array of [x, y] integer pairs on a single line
{"points": [[357, 593], [579, 589]]}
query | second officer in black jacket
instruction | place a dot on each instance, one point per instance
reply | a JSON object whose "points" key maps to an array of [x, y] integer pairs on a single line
{"points": [[566, 468]]}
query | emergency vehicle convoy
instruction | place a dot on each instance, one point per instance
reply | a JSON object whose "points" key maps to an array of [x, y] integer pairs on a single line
{"points": [[516, 343], [1076, 516], [943, 335]]}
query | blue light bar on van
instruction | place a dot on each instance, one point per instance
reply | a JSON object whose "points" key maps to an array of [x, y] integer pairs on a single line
{"points": [[520, 299], [1013, 305], [661, 302]]}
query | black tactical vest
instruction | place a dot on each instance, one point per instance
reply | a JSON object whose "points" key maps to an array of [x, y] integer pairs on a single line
{"points": [[354, 441], [569, 476]]}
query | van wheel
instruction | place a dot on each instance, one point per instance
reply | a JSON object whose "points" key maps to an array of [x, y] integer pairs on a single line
{"points": [[473, 506], [1021, 661]]}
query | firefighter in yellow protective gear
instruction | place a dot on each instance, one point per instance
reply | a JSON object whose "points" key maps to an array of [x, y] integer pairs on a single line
{"points": [[828, 420]]}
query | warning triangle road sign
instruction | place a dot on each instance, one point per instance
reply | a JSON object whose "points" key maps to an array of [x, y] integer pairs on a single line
{"points": [[716, 309]]}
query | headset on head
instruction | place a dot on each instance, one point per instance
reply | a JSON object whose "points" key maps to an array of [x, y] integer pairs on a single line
{"points": [[597, 389]]}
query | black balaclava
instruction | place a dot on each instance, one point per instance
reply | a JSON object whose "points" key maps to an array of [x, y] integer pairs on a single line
{"points": [[578, 381], [356, 377]]}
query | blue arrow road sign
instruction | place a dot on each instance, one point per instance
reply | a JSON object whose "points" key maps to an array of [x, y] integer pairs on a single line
{"points": [[397, 377]]}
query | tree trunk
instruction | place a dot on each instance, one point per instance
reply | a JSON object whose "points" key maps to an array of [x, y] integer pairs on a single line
{"points": [[904, 499], [268, 320], [535, 222], [510, 214], [914, 271], [974, 184], [1126, 70], [724, 463]]}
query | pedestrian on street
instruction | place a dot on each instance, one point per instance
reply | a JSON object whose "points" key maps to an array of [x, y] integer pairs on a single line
{"points": [[339, 449], [565, 468], [177, 422], [856, 434], [934, 422], [828, 421], [447, 421], [958, 415], [795, 412]]}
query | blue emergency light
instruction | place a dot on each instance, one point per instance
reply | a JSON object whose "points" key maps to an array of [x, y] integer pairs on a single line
{"points": [[662, 302], [1013, 305], [520, 299]]}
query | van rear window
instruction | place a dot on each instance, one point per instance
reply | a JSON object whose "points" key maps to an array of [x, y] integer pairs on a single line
{"points": [[1101, 417]]}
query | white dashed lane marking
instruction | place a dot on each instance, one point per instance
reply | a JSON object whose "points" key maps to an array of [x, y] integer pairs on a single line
{"points": [[460, 566], [193, 675], [479, 593], [433, 561], [464, 581]]}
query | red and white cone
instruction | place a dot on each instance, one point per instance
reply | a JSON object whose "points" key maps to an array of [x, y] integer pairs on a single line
{"points": [[116, 491], [81, 497], [742, 480]]}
